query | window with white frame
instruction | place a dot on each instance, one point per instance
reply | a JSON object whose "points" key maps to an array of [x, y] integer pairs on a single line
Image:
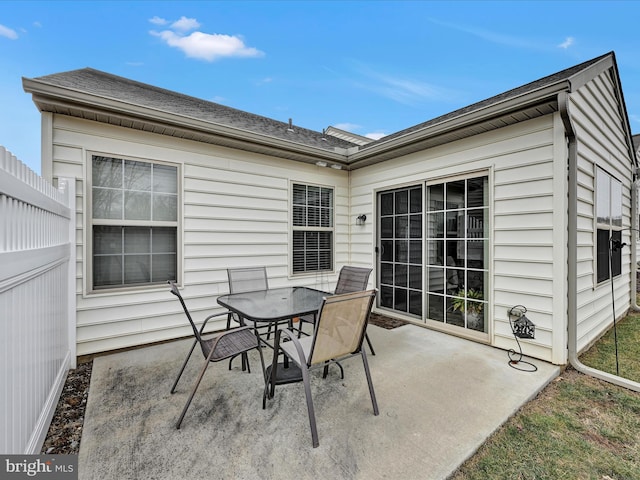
{"points": [[312, 225], [134, 222], [609, 226]]}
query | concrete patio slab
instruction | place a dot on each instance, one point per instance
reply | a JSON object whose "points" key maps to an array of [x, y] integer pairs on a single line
{"points": [[440, 397]]}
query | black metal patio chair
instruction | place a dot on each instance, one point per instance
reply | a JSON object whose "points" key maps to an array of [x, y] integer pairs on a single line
{"points": [[246, 279], [242, 280], [221, 346]]}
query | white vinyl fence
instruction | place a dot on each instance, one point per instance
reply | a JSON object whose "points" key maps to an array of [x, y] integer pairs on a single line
{"points": [[37, 303]]}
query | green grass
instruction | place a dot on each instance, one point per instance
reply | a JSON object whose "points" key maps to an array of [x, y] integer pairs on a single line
{"points": [[577, 428], [603, 354]]}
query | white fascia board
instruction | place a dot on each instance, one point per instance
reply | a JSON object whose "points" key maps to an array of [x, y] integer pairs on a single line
{"points": [[463, 120], [75, 99], [585, 75]]}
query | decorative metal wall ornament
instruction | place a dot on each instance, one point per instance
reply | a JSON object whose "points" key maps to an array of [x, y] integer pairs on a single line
{"points": [[521, 327], [524, 328]]}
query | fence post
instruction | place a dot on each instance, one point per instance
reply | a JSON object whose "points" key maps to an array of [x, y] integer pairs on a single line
{"points": [[68, 186]]}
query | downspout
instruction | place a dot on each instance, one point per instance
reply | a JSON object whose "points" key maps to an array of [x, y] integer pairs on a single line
{"points": [[634, 240], [351, 215], [572, 252]]}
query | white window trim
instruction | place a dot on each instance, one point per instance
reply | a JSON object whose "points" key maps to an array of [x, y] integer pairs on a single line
{"points": [[88, 289], [293, 228], [603, 226]]}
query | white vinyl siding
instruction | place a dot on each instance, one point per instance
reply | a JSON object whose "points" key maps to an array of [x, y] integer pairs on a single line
{"points": [[601, 144], [235, 212], [528, 181], [527, 239]]}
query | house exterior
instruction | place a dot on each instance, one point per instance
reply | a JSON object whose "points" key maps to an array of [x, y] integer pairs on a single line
{"points": [[636, 148], [515, 200]]}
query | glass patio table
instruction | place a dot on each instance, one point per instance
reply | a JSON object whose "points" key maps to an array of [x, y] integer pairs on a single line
{"points": [[274, 306]]}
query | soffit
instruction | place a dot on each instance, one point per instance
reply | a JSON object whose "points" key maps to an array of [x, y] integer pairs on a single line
{"points": [[423, 142], [293, 151], [179, 129]]}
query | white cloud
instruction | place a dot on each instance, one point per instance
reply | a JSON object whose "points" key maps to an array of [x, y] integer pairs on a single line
{"points": [[210, 47], [37, 24], [635, 118], [7, 32], [185, 24], [375, 136], [200, 45], [158, 21], [567, 43]]}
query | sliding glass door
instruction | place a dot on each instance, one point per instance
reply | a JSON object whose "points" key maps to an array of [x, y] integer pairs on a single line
{"points": [[433, 249]]}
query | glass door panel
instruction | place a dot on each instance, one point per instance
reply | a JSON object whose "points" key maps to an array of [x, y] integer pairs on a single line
{"points": [[456, 246], [400, 250]]}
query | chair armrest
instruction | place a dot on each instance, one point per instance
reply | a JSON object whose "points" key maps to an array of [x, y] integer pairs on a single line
{"points": [[296, 343], [204, 324], [233, 330]]}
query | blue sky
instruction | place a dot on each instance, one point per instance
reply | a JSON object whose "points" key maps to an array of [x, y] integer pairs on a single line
{"points": [[370, 67]]}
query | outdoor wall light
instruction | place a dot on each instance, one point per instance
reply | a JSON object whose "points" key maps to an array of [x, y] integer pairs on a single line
{"points": [[361, 219], [320, 163]]}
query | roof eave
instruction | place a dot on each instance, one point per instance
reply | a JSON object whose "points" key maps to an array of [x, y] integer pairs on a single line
{"points": [[460, 122], [44, 92]]}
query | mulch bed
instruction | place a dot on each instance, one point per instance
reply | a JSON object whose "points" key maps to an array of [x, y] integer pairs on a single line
{"points": [[65, 431]]}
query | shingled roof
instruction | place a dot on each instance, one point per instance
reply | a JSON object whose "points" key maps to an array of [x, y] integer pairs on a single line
{"points": [[108, 86], [536, 85], [100, 96]]}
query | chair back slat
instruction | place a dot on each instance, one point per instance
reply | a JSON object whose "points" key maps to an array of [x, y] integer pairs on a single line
{"points": [[352, 279], [341, 326], [176, 292], [242, 280]]}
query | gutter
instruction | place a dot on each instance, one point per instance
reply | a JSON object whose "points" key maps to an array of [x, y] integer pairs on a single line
{"points": [[462, 120], [98, 105], [572, 253]]}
